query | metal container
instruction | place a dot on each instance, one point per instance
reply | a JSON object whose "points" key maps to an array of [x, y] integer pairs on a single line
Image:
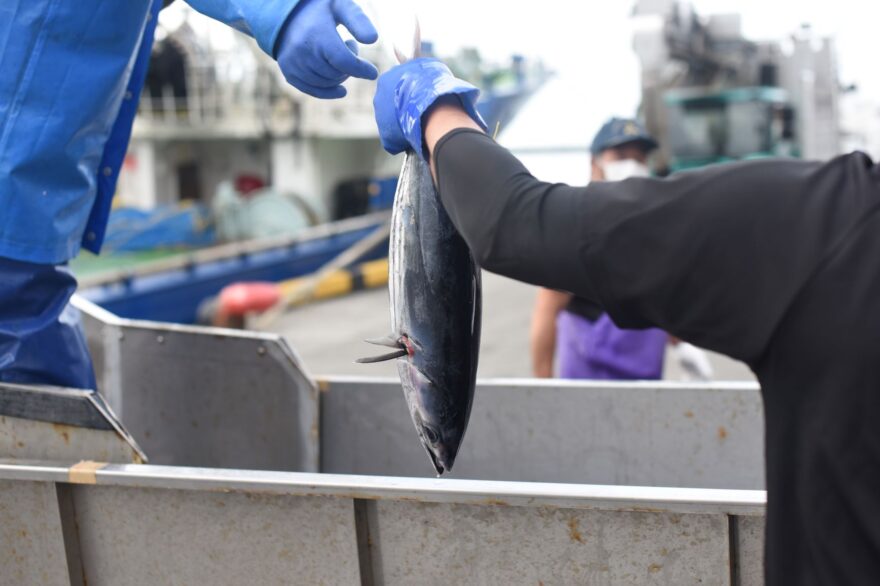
{"points": [[557, 483], [136, 524]]}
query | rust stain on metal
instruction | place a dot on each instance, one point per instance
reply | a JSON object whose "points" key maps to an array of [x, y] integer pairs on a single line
{"points": [[573, 530], [323, 385], [409, 499], [644, 510], [264, 492], [689, 414], [63, 431], [286, 554], [496, 502], [722, 433]]}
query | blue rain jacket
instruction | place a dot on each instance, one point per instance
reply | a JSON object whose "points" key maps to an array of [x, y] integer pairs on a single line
{"points": [[71, 72]]}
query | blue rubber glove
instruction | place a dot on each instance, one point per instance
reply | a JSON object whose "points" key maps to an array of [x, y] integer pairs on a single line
{"points": [[406, 92], [311, 53]]}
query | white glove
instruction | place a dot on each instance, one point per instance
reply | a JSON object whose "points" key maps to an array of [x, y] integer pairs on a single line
{"points": [[694, 362]]}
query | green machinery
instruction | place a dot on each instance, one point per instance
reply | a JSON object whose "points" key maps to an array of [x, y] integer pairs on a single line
{"points": [[711, 95], [707, 127]]}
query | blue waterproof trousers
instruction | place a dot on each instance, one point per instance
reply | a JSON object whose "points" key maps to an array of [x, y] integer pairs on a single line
{"points": [[41, 337]]}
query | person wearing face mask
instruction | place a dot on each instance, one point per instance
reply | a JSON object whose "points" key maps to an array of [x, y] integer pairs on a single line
{"points": [[575, 330]]}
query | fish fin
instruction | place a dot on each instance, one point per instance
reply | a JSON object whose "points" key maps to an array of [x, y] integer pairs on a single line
{"points": [[389, 341], [417, 45], [390, 356], [401, 58], [417, 39]]}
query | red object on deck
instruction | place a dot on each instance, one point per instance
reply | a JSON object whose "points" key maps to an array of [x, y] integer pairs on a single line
{"points": [[242, 298], [247, 184]]}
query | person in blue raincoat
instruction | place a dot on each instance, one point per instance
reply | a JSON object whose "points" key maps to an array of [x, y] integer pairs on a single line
{"points": [[72, 73]]}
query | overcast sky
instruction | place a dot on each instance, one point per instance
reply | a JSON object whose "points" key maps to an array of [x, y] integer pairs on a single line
{"points": [[592, 40], [590, 44], [594, 37]]}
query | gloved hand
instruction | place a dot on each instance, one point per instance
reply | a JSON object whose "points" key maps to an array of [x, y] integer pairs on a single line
{"points": [[311, 53], [406, 92]]}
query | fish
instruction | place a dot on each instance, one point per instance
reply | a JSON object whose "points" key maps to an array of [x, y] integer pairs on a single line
{"points": [[436, 314]]}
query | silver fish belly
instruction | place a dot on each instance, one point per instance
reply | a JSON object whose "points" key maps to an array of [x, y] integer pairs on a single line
{"points": [[435, 291]]}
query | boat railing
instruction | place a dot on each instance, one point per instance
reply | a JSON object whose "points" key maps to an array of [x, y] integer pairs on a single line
{"points": [[232, 250]]}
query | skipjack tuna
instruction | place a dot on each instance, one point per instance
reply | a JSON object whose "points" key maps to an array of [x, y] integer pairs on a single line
{"points": [[435, 314]]}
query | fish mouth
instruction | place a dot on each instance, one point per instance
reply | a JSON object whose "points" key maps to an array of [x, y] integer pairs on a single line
{"points": [[438, 466], [439, 441], [442, 454], [440, 459]]}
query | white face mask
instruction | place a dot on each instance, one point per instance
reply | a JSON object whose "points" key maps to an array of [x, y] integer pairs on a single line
{"points": [[624, 169]]}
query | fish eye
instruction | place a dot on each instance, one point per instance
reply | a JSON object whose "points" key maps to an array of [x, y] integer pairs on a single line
{"points": [[431, 435]]}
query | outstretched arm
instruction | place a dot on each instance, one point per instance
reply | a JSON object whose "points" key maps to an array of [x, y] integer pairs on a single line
{"points": [[715, 256], [261, 20], [301, 35]]}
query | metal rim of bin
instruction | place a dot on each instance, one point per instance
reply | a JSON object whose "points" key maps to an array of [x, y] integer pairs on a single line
{"points": [[468, 492], [324, 381]]}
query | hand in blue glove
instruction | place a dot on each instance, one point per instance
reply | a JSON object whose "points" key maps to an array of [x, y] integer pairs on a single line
{"points": [[311, 53], [406, 92]]}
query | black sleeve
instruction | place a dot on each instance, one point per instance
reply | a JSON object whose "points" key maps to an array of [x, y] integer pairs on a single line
{"points": [[713, 256]]}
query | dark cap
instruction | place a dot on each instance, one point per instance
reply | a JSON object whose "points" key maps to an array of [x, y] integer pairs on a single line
{"points": [[621, 131]]}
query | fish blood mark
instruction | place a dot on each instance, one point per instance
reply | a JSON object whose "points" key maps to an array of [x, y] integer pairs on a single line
{"points": [[407, 343]]}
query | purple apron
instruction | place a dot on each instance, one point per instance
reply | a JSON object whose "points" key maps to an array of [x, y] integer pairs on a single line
{"points": [[601, 350]]}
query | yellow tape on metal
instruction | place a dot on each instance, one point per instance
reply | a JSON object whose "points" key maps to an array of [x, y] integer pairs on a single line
{"points": [[84, 472]]}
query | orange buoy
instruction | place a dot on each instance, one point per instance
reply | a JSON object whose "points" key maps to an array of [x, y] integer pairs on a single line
{"points": [[242, 298]]}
